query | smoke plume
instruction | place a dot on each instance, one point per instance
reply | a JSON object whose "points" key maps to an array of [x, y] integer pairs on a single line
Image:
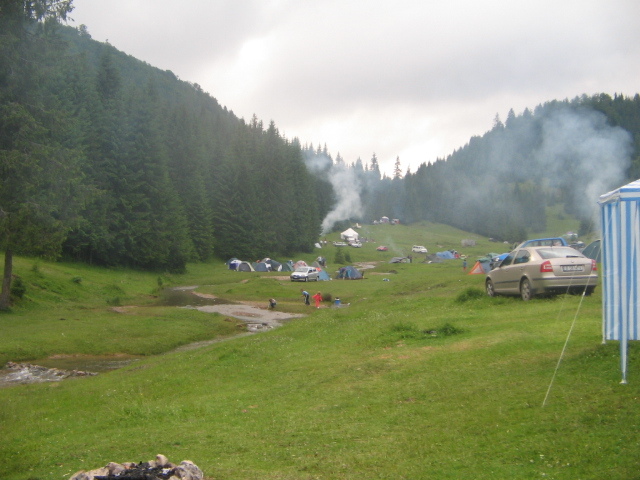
{"points": [[346, 186]]}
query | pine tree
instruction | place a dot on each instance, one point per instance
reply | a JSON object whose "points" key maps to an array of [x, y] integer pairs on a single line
{"points": [[397, 169], [39, 174]]}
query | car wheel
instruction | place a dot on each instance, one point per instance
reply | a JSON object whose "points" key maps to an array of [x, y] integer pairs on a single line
{"points": [[489, 287], [589, 291], [525, 289]]}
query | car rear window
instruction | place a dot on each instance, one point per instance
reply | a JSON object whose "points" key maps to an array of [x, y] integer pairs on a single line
{"points": [[558, 252]]}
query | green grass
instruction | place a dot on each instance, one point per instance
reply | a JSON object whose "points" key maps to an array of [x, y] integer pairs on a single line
{"points": [[421, 377]]}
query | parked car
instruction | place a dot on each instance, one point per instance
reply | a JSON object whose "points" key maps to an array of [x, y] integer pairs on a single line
{"points": [[418, 249], [545, 242], [305, 274], [546, 270], [356, 244], [339, 244], [382, 248]]}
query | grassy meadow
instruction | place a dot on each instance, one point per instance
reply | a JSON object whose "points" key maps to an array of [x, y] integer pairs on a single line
{"points": [[421, 377]]}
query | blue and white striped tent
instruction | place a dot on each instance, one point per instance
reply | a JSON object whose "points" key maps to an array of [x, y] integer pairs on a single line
{"points": [[620, 218]]}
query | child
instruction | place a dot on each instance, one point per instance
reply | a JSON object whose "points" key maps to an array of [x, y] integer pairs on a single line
{"points": [[272, 303], [318, 298]]}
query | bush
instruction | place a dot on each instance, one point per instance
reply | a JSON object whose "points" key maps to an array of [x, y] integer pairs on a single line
{"points": [[409, 331], [447, 330], [470, 293], [18, 288]]}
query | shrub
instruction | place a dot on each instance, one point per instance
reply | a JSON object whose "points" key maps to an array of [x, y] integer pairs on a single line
{"points": [[114, 302], [470, 293], [18, 287], [77, 280], [447, 330], [409, 331]]}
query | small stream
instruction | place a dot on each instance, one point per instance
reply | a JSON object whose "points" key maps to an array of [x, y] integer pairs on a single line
{"points": [[58, 366]]}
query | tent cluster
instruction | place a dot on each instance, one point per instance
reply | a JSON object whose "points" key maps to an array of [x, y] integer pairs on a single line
{"points": [[485, 264], [439, 257], [264, 265], [349, 273], [270, 265]]}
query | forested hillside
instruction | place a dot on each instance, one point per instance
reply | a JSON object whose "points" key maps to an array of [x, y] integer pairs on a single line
{"points": [[564, 153], [109, 160]]}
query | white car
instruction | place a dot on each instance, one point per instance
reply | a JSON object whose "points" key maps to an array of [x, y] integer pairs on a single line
{"points": [[305, 274], [356, 244], [419, 249]]}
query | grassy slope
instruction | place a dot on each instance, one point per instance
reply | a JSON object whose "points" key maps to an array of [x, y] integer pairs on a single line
{"points": [[352, 393]]}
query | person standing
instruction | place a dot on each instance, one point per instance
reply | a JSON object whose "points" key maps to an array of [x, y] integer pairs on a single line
{"points": [[464, 265], [317, 298], [306, 296]]}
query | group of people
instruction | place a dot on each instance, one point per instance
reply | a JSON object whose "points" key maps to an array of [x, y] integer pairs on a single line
{"points": [[317, 298], [307, 298]]}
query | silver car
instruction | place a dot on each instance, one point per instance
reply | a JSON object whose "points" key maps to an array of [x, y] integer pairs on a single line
{"points": [[305, 274], [547, 270]]}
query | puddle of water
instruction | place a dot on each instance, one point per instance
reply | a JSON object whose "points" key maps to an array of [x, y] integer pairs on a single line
{"points": [[88, 363], [60, 367]]}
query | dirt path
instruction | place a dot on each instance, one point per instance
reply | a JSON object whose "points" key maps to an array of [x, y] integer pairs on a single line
{"points": [[255, 317]]}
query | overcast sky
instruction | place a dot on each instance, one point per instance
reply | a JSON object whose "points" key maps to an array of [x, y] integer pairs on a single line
{"points": [[408, 79]]}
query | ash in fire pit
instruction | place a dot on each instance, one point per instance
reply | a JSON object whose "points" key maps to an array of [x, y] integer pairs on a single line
{"points": [[158, 469]]}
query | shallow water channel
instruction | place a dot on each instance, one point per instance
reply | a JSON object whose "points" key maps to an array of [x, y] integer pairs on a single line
{"points": [[173, 297]]}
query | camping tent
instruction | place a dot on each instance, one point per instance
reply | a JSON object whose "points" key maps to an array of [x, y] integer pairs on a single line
{"points": [[233, 263], [592, 251], [349, 234], [323, 275], [349, 273], [287, 266], [272, 265], [245, 267], [299, 263], [446, 255], [399, 260], [481, 267], [620, 222], [260, 266]]}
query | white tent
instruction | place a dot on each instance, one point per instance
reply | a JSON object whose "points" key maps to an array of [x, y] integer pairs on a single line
{"points": [[620, 217], [349, 234]]}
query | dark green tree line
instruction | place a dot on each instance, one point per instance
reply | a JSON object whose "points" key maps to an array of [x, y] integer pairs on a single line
{"points": [[40, 158]]}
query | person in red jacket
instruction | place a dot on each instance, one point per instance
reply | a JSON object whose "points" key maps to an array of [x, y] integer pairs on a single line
{"points": [[318, 298]]}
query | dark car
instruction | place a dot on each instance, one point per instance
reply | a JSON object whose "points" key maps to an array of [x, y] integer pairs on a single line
{"points": [[547, 270], [545, 242]]}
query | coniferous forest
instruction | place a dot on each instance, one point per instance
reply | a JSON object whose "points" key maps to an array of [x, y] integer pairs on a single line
{"points": [[107, 160]]}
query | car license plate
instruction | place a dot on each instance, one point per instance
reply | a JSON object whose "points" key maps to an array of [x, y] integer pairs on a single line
{"points": [[572, 268]]}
